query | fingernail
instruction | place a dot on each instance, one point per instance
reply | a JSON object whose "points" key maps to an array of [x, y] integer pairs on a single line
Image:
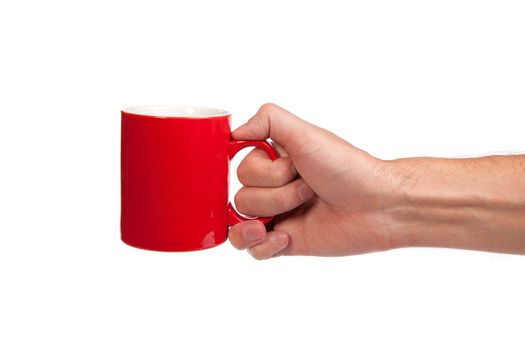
{"points": [[305, 192], [278, 239], [251, 233]]}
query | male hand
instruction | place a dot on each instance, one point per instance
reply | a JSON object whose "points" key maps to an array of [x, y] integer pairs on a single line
{"points": [[326, 195], [330, 198]]}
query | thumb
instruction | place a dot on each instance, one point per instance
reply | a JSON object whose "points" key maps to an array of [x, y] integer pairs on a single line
{"points": [[272, 121]]}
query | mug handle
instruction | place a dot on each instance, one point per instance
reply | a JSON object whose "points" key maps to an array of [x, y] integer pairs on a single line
{"points": [[235, 146]]}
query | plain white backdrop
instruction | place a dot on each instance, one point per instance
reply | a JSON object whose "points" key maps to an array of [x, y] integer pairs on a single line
{"points": [[397, 78]]}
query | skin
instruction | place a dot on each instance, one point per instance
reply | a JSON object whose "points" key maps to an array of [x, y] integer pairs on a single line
{"points": [[330, 198]]}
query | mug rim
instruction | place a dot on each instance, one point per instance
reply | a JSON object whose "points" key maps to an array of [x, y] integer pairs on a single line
{"points": [[176, 111]]}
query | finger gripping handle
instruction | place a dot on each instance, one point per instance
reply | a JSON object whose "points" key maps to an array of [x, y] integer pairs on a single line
{"points": [[235, 146]]}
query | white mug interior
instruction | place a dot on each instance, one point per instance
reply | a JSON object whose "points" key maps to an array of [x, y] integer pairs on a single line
{"points": [[168, 111]]}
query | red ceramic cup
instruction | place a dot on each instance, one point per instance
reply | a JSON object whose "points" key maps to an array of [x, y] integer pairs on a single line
{"points": [[174, 177]]}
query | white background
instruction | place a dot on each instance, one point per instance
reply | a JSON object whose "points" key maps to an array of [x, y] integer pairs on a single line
{"points": [[397, 78]]}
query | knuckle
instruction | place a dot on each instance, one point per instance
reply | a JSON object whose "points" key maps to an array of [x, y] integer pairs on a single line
{"points": [[279, 175], [246, 169], [268, 106], [240, 201], [243, 173]]}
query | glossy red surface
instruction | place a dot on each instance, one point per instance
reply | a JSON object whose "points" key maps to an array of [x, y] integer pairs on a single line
{"points": [[174, 181]]}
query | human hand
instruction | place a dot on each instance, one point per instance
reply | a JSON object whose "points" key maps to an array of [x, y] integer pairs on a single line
{"points": [[327, 196]]}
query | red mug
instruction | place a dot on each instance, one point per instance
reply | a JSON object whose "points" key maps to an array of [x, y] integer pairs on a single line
{"points": [[174, 177]]}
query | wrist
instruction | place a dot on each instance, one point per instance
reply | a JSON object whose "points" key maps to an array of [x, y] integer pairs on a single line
{"points": [[427, 207]]}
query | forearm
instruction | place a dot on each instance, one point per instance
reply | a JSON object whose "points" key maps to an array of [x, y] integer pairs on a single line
{"points": [[476, 203]]}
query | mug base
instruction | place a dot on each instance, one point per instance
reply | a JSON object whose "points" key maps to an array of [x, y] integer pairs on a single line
{"points": [[174, 248]]}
